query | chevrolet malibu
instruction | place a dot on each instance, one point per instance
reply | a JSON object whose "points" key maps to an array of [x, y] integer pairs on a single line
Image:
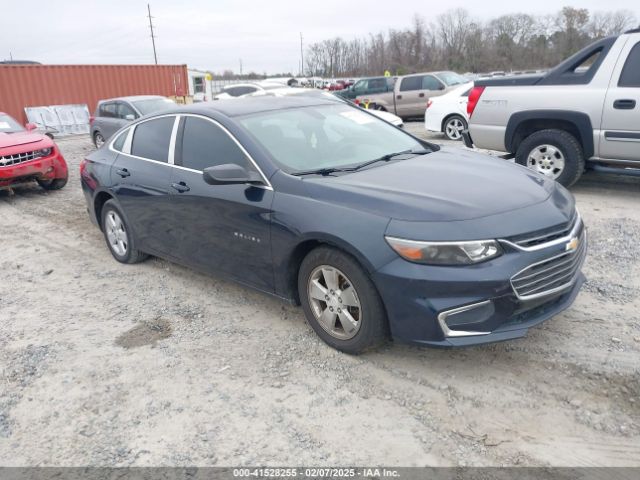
{"points": [[320, 203]]}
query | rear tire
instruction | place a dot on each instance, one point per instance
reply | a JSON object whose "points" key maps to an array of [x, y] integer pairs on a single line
{"points": [[453, 127], [55, 184], [118, 235], [333, 289], [98, 139], [544, 150]]}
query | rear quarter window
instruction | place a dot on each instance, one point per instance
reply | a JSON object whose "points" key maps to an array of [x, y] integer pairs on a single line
{"points": [[151, 139], [118, 144]]}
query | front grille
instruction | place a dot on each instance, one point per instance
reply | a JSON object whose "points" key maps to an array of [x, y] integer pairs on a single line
{"points": [[546, 235], [16, 158], [550, 275]]}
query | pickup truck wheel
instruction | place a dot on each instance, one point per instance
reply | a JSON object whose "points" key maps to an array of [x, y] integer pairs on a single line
{"points": [[553, 153]]}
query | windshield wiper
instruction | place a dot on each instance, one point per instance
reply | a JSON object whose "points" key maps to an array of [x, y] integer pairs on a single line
{"points": [[384, 158], [390, 156]]}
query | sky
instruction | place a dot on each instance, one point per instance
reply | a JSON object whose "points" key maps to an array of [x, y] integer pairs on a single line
{"points": [[216, 34]]}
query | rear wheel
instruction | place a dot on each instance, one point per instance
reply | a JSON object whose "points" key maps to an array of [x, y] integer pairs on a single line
{"points": [[98, 139], [454, 127], [54, 184], [118, 235], [340, 301], [553, 153]]}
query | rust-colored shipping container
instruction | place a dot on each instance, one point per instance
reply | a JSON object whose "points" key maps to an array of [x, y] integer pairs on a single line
{"points": [[40, 85]]}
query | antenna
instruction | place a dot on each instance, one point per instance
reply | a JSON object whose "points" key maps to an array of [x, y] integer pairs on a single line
{"points": [[153, 37]]}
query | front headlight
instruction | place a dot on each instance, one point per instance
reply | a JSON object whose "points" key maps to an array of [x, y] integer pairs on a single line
{"points": [[445, 253], [45, 152]]}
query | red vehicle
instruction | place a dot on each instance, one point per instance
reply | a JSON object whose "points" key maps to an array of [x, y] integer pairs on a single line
{"points": [[27, 156]]}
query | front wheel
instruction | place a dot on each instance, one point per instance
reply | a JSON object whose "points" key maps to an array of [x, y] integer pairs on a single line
{"points": [[98, 140], [453, 127], [553, 153], [340, 301]]}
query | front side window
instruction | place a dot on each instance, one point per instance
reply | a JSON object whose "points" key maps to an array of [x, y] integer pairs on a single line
{"points": [[430, 83], [205, 144], [377, 84], [360, 85], [124, 110], [151, 139], [411, 83], [154, 105], [451, 78], [325, 136], [630, 76]]}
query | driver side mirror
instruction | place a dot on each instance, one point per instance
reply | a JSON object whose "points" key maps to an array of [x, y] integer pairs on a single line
{"points": [[31, 127], [229, 174], [130, 117]]}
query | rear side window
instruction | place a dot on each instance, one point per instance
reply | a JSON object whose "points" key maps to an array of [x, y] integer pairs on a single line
{"points": [[108, 110], [411, 83], [151, 139], [630, 76], [205, 144]]}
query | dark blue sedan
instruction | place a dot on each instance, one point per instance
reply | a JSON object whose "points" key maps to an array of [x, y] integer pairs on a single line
{"points": [[375, 232]]}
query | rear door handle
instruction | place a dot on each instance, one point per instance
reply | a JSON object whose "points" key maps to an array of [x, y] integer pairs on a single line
{"points": [[123, 172], [624, 104], [399, 97], [181, 187], [421, 95]]}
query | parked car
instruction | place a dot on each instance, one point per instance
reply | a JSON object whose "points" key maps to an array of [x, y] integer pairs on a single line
{"points": [[411, 92], [368, 86], [238, 90], [316, 201], [448, 113], [28, 156], [115, 113], [583, 113]]}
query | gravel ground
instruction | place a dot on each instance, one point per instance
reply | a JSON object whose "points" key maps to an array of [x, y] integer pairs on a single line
{"points": [[156, 365]]}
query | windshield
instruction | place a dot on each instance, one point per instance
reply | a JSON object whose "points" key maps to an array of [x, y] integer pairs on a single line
{"points": [[9, 125], [451, 78], [325, 136], [153, 105]]}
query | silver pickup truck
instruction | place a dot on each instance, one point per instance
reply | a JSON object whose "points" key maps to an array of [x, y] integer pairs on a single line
{"points": [[584, 113]]}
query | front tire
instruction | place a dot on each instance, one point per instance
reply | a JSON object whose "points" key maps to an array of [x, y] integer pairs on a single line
{"points": [[118, 235], [340, 301], [98, 139], [54, 184], [454, 127], [553, 153]]}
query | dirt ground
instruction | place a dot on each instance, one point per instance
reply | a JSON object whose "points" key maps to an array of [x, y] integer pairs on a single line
{"points": [[156, 365]]}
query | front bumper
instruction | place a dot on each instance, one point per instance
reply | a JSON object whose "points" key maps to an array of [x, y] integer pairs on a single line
{"points": [[461, 306], [45, 168]]}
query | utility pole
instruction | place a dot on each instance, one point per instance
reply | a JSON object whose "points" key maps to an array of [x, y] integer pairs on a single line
{"points": [[240, 68], [10, 56], [301, 57], [153, 37]]}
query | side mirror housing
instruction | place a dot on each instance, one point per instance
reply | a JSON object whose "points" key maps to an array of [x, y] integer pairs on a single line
{"points": [[229, 174], [130, 117], [31, 127]]}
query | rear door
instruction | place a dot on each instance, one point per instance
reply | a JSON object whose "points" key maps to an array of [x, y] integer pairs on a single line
{"points": [[409, 96], [220, 227], [108, 119], [141, 177], [620, 129]]}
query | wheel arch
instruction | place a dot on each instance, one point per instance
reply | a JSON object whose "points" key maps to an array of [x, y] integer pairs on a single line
{"points": [[448, 116], [99, 200], [523, 124], [306, 245]]}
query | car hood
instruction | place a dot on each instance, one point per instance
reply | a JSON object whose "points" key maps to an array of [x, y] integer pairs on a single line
{"points": [[444, 186], [19, 138]]}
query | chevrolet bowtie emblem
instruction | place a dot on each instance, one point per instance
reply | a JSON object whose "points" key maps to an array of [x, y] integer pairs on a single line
{"points": [[572, 245]]}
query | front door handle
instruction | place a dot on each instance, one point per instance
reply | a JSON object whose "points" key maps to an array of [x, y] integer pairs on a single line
{"points": [[123, 172], [399, 97], [624, 104], [181, 187], [421, 95]]}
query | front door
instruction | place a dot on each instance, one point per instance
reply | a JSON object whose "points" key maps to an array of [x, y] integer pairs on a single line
{"points": [[223, 228], [141, 176], [620, 129]]}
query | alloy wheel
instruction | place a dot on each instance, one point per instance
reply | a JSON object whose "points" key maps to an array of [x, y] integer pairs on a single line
{"points": [[334, 302], [99, 140], [454, 128], [547, 160], [116, 234]]}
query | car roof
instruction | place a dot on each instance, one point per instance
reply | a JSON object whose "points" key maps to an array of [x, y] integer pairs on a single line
{"points": [[131, 98], [248, 105]]}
